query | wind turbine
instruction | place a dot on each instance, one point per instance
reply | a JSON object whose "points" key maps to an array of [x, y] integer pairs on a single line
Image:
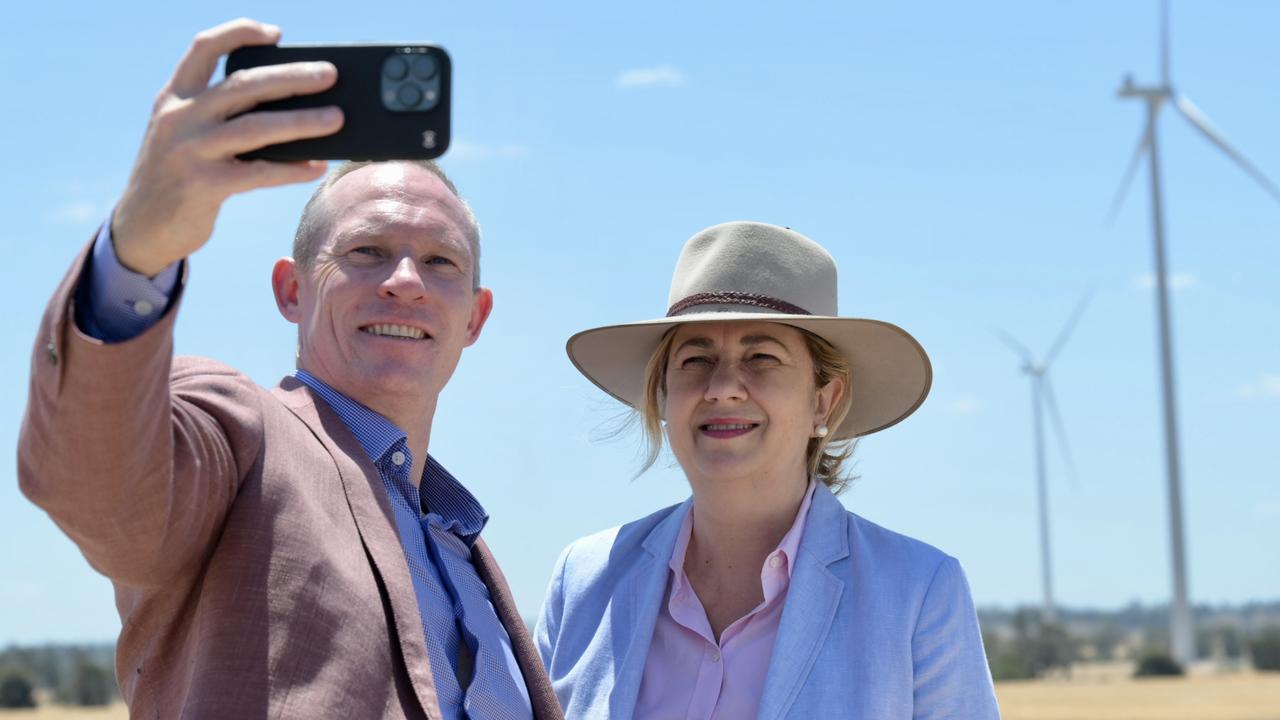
{"points": [[1182, 633], [1042, 399]]}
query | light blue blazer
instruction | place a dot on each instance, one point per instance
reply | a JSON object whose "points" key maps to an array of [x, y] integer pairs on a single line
{"points": [[876, 626]]}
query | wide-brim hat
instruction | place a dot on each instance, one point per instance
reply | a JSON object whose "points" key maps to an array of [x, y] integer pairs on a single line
{"points": [[757, 272]]}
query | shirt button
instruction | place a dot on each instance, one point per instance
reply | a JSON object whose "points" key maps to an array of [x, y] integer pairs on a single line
{"points": [[775, 561], [397, 457], [142, 307]]}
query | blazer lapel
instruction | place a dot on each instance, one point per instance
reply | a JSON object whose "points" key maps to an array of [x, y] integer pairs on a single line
{"points": [[812, 598], [541, 695], [376, 524], [636, 608]]}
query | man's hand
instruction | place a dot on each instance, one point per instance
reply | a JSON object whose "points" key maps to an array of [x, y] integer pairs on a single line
{"points": [[187, 165]]}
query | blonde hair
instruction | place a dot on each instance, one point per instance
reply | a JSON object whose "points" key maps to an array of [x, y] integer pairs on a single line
{"points": [[824, 456]]}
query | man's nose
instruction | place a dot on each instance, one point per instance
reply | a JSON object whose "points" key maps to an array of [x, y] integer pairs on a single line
{"points": [[725, 383], [405, 281]]}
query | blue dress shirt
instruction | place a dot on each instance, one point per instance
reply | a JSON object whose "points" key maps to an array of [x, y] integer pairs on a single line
{"points": [[458, 618]]}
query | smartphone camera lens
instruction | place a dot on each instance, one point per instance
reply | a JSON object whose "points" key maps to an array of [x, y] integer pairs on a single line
{"points": [[395, 68], [412, 80], [424, 67], [409, 95]]}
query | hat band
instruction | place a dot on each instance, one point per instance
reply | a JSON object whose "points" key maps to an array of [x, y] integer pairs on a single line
{"points": [[737, 298]]}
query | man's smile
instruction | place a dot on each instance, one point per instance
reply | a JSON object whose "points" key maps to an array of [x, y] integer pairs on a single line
{"points": [[395, 330]]}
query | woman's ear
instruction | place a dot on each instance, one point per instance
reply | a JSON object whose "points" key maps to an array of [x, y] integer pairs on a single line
{"points": [[829, 396]]}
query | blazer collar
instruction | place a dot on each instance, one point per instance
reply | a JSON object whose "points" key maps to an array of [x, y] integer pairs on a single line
{"points": [[641, 592], [826, 533], [661, 540], [375, 522], [541, 695], [813, 597], [812, 600]]}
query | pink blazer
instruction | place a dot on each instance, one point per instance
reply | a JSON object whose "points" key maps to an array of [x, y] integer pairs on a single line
{"points": [[253, 552]]}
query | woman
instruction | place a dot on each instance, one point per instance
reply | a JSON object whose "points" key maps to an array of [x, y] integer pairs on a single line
{"points": [[760, 596]]}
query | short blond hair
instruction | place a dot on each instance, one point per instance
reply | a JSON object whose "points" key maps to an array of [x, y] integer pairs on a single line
{"points": [[824, 457]]}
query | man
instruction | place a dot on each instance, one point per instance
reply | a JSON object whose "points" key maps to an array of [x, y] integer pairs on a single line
{"points": [[293, 552]]}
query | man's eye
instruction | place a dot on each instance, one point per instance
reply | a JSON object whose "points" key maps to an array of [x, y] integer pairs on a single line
{"points": [[439, 260], [367, 250]]}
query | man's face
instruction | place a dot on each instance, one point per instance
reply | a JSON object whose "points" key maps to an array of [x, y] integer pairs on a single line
{"points": [[388, 305]]}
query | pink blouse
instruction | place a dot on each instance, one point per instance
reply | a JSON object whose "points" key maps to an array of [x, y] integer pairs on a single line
{"points": [[686, 674]]}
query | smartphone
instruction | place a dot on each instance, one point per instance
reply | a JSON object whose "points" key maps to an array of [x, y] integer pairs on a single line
{"points": [[394, 99]]}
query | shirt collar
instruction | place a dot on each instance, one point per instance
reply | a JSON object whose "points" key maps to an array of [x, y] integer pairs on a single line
{"points": [[375, 433], [457, 508], [790, 543], [787, 547]]}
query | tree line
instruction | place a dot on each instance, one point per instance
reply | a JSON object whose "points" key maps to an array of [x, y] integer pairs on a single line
{"points": [[66, 674], [1021, 644]]}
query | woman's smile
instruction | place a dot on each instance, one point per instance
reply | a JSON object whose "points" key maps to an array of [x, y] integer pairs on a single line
{"points": [[724, 428]]}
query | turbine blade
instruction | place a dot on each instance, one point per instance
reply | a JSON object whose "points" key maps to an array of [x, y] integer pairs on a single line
{"points": [[1059, 431], [1144, 143], [1013, 344], [1164, 43], [1202, 123], [1069, 327]]}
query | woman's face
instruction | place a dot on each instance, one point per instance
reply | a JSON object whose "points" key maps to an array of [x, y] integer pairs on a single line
{"points": [[741, 400]]}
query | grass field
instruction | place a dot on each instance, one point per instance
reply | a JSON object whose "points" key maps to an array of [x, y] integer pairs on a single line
{"points": [[1096, 696], [1199, 697], [58, 712]]}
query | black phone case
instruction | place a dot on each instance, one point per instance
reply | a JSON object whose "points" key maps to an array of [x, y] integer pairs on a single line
{"points": [[370, 130]]}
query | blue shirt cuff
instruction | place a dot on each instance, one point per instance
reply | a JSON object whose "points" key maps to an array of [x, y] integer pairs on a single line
{"points": [[118, 303]]}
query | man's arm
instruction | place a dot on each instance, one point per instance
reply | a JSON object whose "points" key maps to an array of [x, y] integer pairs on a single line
{"points": [[137, 471], [136, 464], [113, 303]]}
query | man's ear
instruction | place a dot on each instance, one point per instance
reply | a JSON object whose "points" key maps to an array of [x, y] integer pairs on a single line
{"points": [[481, 306], [284, 284]]}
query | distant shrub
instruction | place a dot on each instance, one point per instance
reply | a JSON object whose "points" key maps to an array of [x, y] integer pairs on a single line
{"points": [[1035, 649], [1009, 665], [1265, 648], [1157, 665], [91, 684], [15, 691]]}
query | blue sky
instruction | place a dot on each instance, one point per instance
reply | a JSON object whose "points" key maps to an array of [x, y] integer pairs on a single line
{"points": [[958, 160]]}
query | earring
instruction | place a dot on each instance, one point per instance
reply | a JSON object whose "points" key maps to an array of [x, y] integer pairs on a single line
{"points": [[822, 431]]}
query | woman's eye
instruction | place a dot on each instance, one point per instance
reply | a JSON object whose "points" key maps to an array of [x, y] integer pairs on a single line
{"points": [[762, 357], [695, 361]]}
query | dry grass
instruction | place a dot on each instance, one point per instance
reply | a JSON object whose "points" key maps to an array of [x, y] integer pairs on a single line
{"points": [[1102, 693], [60, 712], [1092, 694]]}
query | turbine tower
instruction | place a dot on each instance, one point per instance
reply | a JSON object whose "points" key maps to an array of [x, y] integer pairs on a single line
{"points": [[1043, 398], [1182, 633]]}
